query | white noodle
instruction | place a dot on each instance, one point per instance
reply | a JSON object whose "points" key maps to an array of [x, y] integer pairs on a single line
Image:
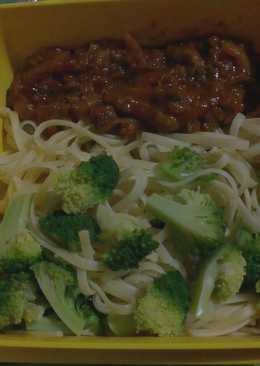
{"points": [[209, 139], [120, 289], [166, 258], [222, 162], [167, 143], [33, 160], [249, 218], [140, 280], [72, 258], [137, 192], [100, 305], [77, 152], [121, 309], [21, 138], [248, 199], [84, 283], [144, 151], [252, 125], [130, 163], [86, 247], [229, 199], [228, 322], [153, 269], [205, 172], [236, 124], [125, 149], [76, 128], [255, 202], [153, 257], [241, 172], [253, 151]]}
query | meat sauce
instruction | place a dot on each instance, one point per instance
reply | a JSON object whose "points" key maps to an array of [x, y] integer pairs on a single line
{"points": [[122, 88]]}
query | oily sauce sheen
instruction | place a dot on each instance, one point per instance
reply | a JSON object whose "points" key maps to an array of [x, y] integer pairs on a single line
{"points": [[123, 88]]}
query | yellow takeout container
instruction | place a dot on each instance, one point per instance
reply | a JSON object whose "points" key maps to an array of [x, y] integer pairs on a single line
{"points": [[25, 28]]}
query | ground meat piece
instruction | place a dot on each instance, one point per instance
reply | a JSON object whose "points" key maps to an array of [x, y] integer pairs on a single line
{"points": [[127, 127], [121, 87], [228, 60], [106, 120], [187, 54], [152, 118], [136, 55]]}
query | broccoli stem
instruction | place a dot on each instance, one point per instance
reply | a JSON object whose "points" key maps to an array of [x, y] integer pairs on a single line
{"points": [[54, 291], [205, 283], [196, 221], [165, 210], [16, 218]]}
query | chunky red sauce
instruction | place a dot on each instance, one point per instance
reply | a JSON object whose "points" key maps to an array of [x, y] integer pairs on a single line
{"points": [[121, 87]]}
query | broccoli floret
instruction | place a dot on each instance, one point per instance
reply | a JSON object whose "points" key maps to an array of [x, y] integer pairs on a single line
{"points": [[115, 225], [231, 273], [128, 242], [87, 185], [181, 163], [64, 229], [18, 248], [130, 250], [163, 309], [18, 296], [220, 278], [196, 221], [249, 243], [19, 254], [60, 289]]}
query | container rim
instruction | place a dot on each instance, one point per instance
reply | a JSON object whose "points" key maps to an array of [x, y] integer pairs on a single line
{"points": [[130, 343], [48, 3]]}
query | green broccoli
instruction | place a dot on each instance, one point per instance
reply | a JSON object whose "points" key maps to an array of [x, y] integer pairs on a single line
{"points": [[18, 300], [249, 243], [220, 278], [163, 308], [180, 164], [64, 229], [231, 273], [128, 243], [18, 248], [87, 185], [60, 289], [130, 250], [196, 221], [115, 225]]}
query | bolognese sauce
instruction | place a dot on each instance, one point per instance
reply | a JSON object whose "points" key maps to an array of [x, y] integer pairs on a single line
{"points": [[122, 87]]}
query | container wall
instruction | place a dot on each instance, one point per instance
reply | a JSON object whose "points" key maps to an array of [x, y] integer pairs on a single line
{"points": [[26, 28], [6, 75], [30, 27]]}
